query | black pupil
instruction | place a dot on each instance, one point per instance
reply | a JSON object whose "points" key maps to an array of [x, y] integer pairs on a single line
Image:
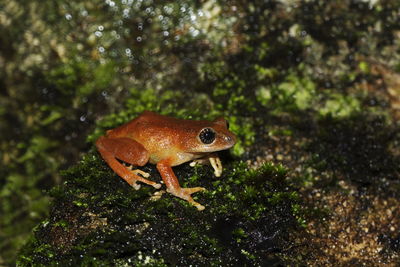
{"points": [[207, 136]]}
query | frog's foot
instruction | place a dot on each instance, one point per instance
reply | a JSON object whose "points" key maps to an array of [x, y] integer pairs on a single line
{"points": [[139, 178], [217, 165], [185, 193], [212, 159]]}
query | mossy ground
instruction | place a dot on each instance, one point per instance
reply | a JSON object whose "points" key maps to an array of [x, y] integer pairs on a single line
{"points": [[97, 218]]}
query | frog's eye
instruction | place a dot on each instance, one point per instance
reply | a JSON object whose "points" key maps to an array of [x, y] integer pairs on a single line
{"points": [[207, 136]]}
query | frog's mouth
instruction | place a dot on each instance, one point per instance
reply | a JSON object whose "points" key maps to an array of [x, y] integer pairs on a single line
{"points": [[223, 143]]}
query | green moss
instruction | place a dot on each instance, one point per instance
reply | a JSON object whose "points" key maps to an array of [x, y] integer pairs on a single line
{"points": [[364, 67], [90, 76], [244, 130], [340, 106], [230, 94], [296, 92], [114, 223]]}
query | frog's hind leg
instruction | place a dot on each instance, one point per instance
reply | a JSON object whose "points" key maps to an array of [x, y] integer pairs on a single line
{"points": [[127, 150]]}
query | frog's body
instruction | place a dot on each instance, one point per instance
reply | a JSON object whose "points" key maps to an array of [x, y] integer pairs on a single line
{"points": [[166, 142]]}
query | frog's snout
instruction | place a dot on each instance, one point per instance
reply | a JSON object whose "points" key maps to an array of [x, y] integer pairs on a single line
{"points": [[230, 139]]}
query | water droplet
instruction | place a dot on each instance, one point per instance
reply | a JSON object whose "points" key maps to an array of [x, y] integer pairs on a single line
{"points": [[98, 33], [100, 28], [82, 118], [139, 39], [195, 32], [101, 49], [166, 33], [126, 12], [110, 3], [68, 16], [168, 10]]}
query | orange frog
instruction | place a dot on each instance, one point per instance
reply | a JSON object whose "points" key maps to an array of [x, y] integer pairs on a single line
{"points": [[166, 142]]}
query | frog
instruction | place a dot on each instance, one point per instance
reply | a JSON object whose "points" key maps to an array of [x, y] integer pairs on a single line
{"points": [[165, 142]]}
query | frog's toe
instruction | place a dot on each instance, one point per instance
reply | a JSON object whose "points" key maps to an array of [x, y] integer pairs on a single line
{"points": [[198, 162], [198, 206], [193, 163], [142, 173], [157, 186], [135, 186], [193, 190], [217, 166], [185, 193]]}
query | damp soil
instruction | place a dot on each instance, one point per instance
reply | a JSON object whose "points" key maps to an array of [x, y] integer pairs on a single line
{"points": [[347, 173]]}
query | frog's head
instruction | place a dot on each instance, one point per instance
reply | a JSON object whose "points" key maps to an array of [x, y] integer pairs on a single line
{"points": [[212, 136]]}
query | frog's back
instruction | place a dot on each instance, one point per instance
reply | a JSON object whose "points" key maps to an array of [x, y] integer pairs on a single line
{"points": [[128, 129], [152, 127]]}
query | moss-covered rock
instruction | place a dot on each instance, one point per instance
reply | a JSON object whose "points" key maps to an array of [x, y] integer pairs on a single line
{"points": [[97, 218]]}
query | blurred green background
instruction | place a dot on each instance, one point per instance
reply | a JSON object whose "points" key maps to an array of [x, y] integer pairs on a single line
{"points": [[66, 65]]}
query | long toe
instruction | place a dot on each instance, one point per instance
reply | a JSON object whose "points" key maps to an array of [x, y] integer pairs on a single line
{"points": [[192, 190]]}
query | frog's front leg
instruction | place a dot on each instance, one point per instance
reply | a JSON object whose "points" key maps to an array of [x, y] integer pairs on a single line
{"points": [[213, 159], [127, 150], [173, 187]]}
